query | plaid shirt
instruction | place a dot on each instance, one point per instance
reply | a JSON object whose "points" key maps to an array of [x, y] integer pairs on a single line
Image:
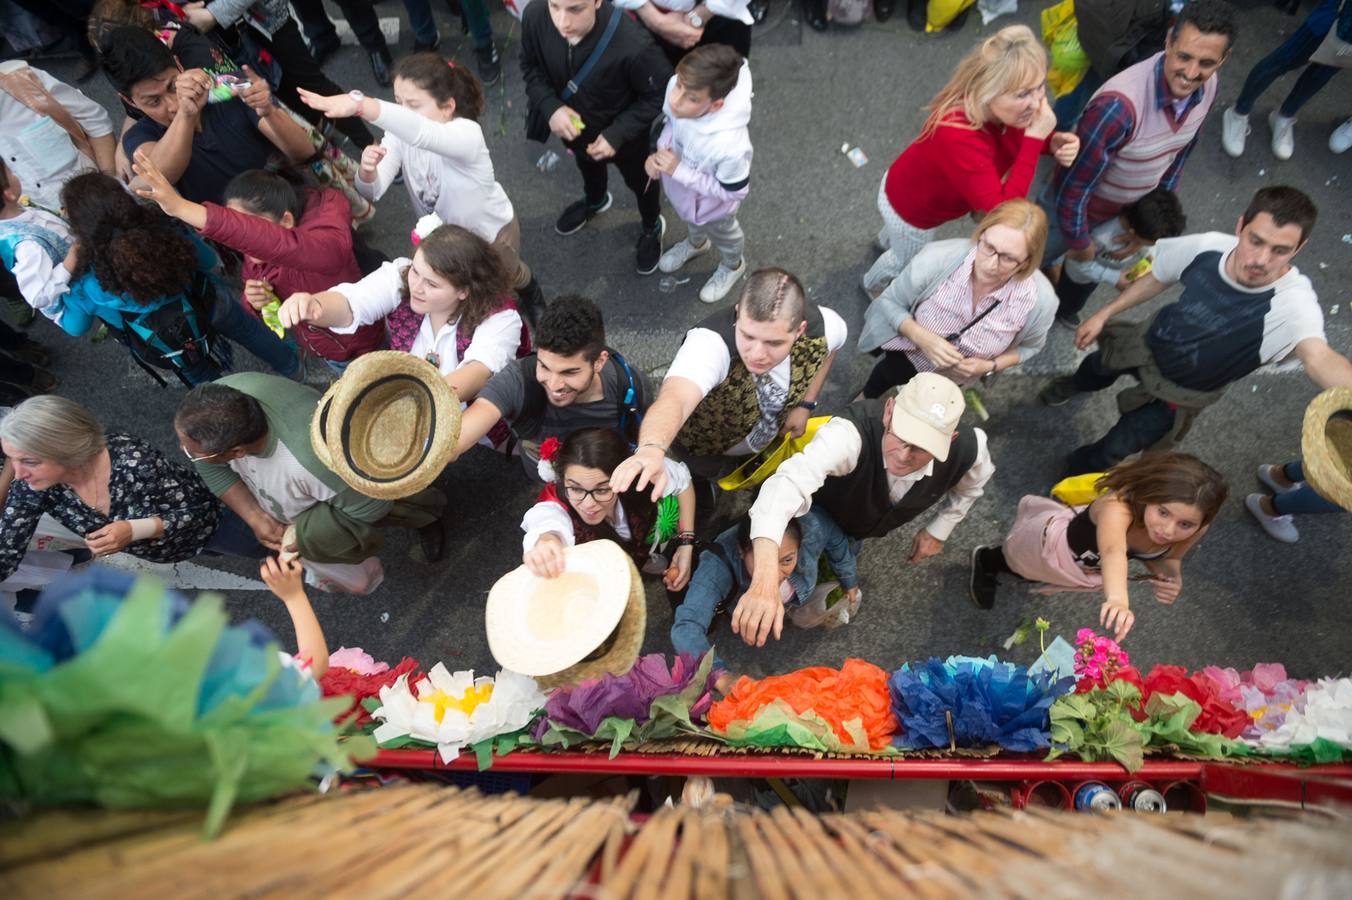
{"points": [[1106, 125]]}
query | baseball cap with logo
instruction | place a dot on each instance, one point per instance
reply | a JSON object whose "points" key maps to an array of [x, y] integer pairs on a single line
{"points": [[926, 411]]}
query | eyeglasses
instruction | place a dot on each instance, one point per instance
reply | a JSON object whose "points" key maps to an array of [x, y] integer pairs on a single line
{"points": [[600, 494], [988, 250], [202, 458]]}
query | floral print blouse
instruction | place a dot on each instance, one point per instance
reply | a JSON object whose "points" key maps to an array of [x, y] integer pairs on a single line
{"points": [[142, 484]]}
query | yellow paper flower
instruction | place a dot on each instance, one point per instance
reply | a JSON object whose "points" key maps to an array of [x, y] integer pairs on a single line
{"points": [[465, 703]]}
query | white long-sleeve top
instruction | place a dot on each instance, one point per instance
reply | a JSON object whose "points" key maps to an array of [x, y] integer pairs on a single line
{"points": [[447, 170], [834, 450], [42, 280], [548, 515], [377, 295]]}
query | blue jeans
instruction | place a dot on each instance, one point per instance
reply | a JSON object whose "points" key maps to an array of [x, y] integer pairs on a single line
{"points": [[1304, 500], [424, 27], [234, 538], [1057, 245], [230, 319], [821, 535], [1069, 107], [1293, 53], [1135, 431], [712, 582]]}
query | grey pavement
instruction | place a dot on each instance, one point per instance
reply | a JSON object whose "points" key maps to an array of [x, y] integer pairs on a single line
{"points": [[1245, 597]]}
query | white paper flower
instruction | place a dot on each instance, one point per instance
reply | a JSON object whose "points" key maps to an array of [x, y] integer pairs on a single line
{"points": [[425, 226], [1324, 711]]}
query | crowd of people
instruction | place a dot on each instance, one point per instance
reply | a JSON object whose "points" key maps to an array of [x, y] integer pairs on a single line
{"points": [[187, 229]]}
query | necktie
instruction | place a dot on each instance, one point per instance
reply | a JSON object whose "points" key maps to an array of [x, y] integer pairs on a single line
{"points": [[770, 397]]}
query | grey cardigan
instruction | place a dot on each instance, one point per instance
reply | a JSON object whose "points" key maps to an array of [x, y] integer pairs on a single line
{"points": [[926, 271]]}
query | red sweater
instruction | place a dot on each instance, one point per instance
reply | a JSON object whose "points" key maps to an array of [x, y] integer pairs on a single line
{"points": [[313, 256], [958, 170]]}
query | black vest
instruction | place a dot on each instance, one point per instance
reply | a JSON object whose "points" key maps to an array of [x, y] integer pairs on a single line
{"points": [[860, 502]]}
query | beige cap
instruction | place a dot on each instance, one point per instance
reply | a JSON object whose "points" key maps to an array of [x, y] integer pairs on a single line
{"points": [[926, 411]]}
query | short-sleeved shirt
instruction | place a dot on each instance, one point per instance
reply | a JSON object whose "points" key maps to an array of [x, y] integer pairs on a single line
{"points": [[1218, 331], [228, 143], [507, 391]]}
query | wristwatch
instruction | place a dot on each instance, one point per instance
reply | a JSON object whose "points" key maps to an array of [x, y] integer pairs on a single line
{"points": [[356, 97], [808, 405], [694, 19]]}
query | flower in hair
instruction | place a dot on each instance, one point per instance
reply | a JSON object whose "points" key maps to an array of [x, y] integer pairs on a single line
{"points": [[549, 451], [426, 225]]}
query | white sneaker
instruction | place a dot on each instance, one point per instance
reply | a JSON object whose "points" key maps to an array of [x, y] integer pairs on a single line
{"points": [[717, 287], [1341, 138], [1280, 528], [1265, 475], [681, 253], [1283, 135], [1234, 129]]}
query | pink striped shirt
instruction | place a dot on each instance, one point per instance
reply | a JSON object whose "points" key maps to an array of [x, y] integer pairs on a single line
{"points": [[950, 307]]}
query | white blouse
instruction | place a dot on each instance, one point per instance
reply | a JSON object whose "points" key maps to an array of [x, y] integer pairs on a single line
{"points": [[547, 516]]}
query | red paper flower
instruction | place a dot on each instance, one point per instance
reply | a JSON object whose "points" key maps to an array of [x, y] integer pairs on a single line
{"points": [[1218, 716], [549, 449], [338, 682]]}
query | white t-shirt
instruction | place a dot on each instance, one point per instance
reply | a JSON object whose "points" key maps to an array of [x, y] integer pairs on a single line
{"points": [[40, 151], [547, 515], [282, 486], [494, 344], [1218, 331], [704, 359]]}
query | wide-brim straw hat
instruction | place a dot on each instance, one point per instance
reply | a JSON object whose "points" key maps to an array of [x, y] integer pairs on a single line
{"points": [[1326, 446], [388, 426], [584, 623]]}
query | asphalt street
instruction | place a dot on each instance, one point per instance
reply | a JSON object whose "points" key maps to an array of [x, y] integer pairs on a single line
{"points": [[1245, 598]]}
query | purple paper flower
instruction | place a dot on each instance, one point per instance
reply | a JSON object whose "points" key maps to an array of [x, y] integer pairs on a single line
{"points": [[627, 696]]}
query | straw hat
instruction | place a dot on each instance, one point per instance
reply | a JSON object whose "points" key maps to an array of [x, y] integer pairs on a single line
{"points": [[388, 426], [1326, 446], [588, 621]]}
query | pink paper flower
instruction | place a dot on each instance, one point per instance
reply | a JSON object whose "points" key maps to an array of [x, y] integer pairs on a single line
{"points": [[358, 660]]}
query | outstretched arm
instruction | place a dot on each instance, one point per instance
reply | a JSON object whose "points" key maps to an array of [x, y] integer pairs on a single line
{"points": [[1325, 366], [661, 423]]}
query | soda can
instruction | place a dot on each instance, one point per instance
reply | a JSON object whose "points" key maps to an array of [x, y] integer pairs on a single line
{"points": [[1141, 797], [1095, 796]]}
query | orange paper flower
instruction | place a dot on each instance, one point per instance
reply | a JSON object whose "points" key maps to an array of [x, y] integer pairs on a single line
{"points": [[857, 691]]}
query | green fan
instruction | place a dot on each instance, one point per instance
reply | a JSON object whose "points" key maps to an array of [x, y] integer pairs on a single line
{"points": [[667, 521]]}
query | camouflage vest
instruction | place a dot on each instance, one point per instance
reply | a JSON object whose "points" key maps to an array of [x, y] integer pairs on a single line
{"points": [[727, 414]]}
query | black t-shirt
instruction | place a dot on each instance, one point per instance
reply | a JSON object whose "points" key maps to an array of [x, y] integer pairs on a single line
{"points": [[228, 143], [507, 391]]}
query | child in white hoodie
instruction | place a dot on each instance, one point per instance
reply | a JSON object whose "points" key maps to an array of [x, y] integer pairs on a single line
{"points": [[704, 160]]}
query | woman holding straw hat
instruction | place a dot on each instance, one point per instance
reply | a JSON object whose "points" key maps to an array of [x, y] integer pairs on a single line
{"points": [[578, 505], [979, 146]]}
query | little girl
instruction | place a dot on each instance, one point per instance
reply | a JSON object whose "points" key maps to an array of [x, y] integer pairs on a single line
{"points": [[35, 246], [432, 136], [1153, 509], [578, 505], [449, 305], [292, 240], [285, 578]]}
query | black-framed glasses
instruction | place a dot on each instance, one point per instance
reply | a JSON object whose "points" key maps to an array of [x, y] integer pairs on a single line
{"points": [[600, 494], [988, 250]]}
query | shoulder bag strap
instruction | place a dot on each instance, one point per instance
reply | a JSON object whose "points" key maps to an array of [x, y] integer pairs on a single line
{"points": [[575, 83]]}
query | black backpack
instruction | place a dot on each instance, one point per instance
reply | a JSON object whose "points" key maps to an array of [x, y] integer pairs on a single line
{"points": [[531, 417], [177, 335]]}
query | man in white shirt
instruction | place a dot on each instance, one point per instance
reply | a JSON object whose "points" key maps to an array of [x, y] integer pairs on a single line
{"points": [[868, 471], [742, 377]]}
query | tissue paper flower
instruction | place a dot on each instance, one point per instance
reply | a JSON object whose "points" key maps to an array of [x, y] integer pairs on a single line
{"points": [[854, 701], [649, 702], [425, 226], [358, 660], [990, 702], [1322, 715], [340, 681], [1264, 693], [123, 694], [1218, 716], [456, 710]]}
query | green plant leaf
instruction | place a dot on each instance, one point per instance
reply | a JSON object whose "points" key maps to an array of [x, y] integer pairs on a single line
{"points": [[1124, 744]]}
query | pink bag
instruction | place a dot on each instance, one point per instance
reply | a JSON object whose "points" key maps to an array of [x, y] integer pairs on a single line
{"points": [[848, 12]]}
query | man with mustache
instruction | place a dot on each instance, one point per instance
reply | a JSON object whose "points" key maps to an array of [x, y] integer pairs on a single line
{"points": [[1243, 305], [1136, 134]]}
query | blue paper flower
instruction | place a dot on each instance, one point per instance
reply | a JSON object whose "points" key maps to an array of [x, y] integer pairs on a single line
{"points": [[991, 702]]}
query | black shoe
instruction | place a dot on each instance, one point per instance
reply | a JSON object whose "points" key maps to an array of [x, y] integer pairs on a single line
{"points": [[32, 353], [579, 214], [758, 9], [1068, 320], [959, 20], [882, 10], [490, 68], [325, 47], [814, 11], [380, 67], [1059, 392], [530, 300], [432, 541], [981, 588], [916, 15], [43, 382], [419, 47], [649, 248]]}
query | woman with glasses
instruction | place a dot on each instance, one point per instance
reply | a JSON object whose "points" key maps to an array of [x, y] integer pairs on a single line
{"points": [[114, 490], [965, 309], [979, 146], [579, 505]]}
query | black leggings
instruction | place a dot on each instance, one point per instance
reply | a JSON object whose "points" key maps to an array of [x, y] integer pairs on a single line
{"points": [[892, 369], [628, 159], [299, 70]]}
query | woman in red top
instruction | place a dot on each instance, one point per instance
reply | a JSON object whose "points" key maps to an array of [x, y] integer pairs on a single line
{"points": [[979, 148], [293, 241]]}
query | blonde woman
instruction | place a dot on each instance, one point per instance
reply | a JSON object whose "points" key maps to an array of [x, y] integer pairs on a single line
{"points": [[965, 308], [979, 147]]}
